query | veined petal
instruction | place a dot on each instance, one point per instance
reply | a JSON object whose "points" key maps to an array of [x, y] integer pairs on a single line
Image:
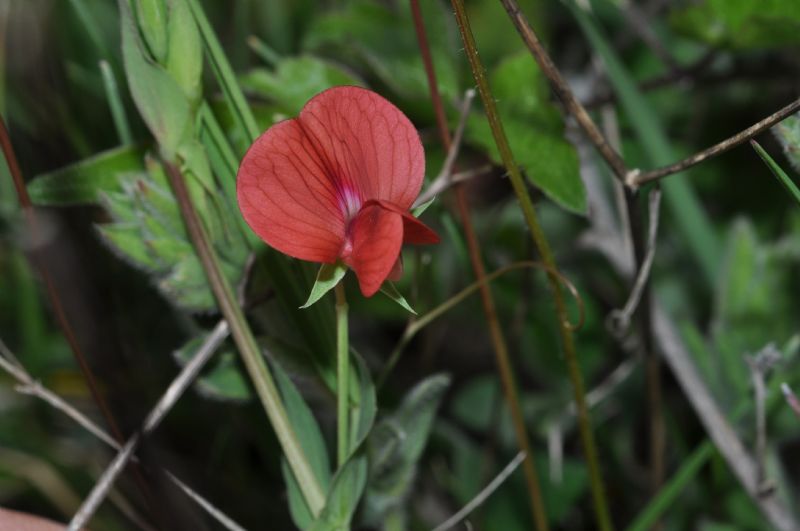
{"points": [[376, 234], [367, 143], [288, 198]]}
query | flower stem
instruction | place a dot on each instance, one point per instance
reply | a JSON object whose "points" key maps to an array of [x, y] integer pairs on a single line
{"points": [[342, 375], [248, 348], [542, 245]]}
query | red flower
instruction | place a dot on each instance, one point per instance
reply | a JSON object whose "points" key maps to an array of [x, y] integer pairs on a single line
{"points": [[336, 183]]}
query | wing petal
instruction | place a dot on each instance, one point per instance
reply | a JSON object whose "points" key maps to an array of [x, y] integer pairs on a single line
{"points": [[367, 142], [287, 197]]}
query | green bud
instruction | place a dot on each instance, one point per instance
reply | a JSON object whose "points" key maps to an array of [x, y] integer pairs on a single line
{"points": [[151, 16], [185, 54]]}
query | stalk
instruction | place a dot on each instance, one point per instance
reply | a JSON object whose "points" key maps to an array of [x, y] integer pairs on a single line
{"points": [[543, 246], [342, 375], [504, 365], [248, 348]]}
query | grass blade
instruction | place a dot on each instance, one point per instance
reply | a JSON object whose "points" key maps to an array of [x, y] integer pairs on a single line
{"points": [[777, 171], [115, 104], [223, 71]]}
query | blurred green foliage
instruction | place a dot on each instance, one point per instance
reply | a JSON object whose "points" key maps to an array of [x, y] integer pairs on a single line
{"points": [[423, 445]]}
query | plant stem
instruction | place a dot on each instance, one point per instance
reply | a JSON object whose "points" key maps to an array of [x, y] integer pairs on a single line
{"points": [[542, 245], [247, 346], [342, 376], [495, 331]]}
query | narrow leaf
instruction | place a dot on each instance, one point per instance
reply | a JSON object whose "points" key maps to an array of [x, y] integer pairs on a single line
{"points": [[777, 171], [390, 290], [417, 212], [328, 276], [343, 498]]}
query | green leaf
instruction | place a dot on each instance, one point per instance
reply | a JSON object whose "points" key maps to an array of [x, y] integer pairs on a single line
{"points": [[777, 171], [390, 290], [242, 113], [295, 81], [185, 56], [308, 433], [396, 444], [365, 407], [382, 37], [535, 132], [151, 16], [741, 23], [417, 212], [222, 380], [345, 493], [148, 230], [160, 100], [83, 182], [328, 276]]}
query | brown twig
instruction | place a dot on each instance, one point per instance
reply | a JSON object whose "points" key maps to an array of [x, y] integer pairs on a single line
{"points": [[636, 178], [633, 178], [170, 397], [504, 365], [562, 89], [29, 386], [44, 272]]}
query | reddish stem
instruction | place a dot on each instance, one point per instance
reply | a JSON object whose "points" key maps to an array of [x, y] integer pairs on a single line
{"points": [[498, 340]]}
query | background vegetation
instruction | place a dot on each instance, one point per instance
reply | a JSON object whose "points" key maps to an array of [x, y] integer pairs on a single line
{"points": [[95, 94]]}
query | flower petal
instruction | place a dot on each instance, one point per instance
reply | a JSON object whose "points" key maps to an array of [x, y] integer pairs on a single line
{"points": [[416, 232], [287, 197], [367, 143], [377, 234]]}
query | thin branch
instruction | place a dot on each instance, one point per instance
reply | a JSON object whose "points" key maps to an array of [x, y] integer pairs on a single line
{"points": [[637, 178], [759, 365], [28, 385], [481, 497], [619, 320], [562, 89], [55, 300], [175, 390], [446, 176]]}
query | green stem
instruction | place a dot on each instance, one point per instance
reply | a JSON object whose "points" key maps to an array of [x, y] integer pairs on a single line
{"points": [[342, 376], [504, 365], [248, 348], [542, 245]]}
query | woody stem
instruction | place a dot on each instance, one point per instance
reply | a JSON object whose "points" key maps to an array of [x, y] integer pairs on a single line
{"points": [[342, 375]]}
